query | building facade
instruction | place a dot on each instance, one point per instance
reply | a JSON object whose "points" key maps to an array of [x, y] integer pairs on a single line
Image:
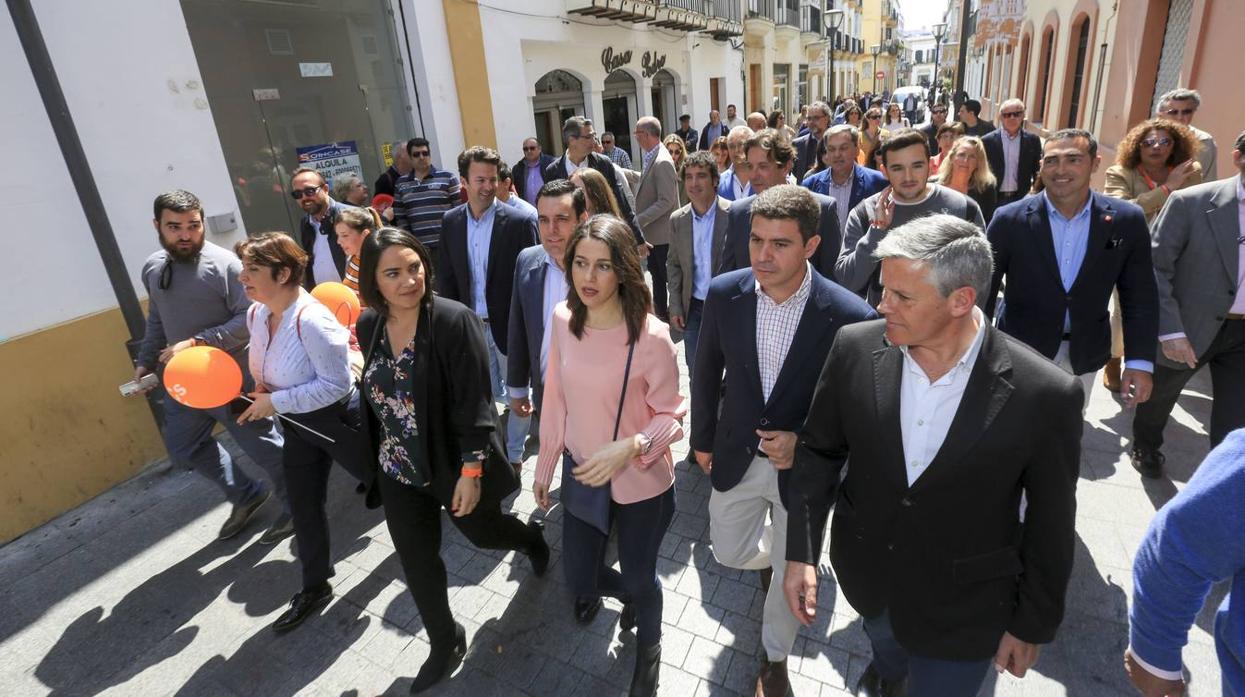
{"points": [[225, 98], [880, 30]]}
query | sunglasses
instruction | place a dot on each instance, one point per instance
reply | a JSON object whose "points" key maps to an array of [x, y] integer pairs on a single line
{"points": [[1156, 142], [1179, 112], [940, 111], [529, 148], [300, 193], [1012, 114], [422, 153], [874, 117]]}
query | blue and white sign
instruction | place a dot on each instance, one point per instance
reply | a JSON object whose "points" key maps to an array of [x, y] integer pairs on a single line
{"points": [[331, 159]]}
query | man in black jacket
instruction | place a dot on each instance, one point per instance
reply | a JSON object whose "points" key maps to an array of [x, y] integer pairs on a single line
{"points": [[529, 173], [1015, 155], [936, 409], [578, 138], [1061, 253], [480, 244], [326, 258]]}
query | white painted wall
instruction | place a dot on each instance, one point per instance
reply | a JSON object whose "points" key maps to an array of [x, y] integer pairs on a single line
{"points": [[525, 40], [137, 99], [434, 79]]}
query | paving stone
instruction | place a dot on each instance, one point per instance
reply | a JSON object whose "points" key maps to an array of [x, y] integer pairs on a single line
{"points": [[708, 660]]}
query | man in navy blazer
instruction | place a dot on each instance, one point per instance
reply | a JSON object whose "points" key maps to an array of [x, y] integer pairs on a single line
{"points": [[539, 285], [480, 244], [1061, 253], [772, 157], [765, 334], [844, 180], [1014, 154]]}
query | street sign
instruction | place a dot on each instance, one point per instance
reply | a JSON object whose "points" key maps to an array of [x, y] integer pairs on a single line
{"points": [[881, 74]]}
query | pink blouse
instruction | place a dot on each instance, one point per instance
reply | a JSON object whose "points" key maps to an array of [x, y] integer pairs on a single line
{"points": [[582, 384]]}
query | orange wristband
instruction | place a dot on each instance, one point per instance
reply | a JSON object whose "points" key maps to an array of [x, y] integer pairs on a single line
{"points": [[473, 472]]}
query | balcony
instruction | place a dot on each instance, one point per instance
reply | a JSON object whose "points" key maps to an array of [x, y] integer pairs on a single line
{"points": [[810, 24], [637, 11], [724, 19], [682, 15]]}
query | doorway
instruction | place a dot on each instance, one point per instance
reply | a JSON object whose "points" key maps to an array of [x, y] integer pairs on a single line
{"points": [[559, 96], [619, 102]]}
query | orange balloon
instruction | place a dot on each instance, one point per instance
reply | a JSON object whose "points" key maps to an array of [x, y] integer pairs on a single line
{"points": [[203, 377], [340, 300]]}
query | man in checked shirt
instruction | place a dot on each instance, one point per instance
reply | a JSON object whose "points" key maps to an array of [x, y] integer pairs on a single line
{"points": [[766, 330]]}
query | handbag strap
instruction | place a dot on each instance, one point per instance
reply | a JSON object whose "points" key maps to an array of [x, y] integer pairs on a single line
{"points": [[623, 397]]}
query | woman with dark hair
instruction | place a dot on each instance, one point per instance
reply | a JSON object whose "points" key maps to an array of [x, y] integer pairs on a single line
{"points": [[966, 170], [852, 115], [721, 154], [298, 356], [895, 120], [1156, 157], [433, 435], [352, 226], [870, 136], [597, 192], [611, 410], [946, 136]]}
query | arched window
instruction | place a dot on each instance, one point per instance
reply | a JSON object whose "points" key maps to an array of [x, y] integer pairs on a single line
{"points": [[1081, 47], [1047, 57], [1023, 66]]}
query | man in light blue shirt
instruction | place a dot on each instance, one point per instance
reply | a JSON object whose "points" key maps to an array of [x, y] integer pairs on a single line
{"points": [[699, 231], [506, 193]]}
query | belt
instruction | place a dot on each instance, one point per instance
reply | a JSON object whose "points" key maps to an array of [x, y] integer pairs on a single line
{"points": [[1234, 315]]}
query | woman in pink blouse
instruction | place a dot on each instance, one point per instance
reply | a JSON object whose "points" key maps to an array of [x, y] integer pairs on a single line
{"points": [[604, 347]]}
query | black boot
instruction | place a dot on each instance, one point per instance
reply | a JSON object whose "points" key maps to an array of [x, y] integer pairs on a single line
{"points": [[647, 666], [626, 618], [441, 662]]}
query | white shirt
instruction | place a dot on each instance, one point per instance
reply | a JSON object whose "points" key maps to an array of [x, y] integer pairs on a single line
{"points": [[776, 325], [927, 409], [322, 268], [1011, 160], [304, 370], [571, 167], [741, 190]]}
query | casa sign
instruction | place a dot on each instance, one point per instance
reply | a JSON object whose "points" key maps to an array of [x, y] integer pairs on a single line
{"points": [[650, 61]]}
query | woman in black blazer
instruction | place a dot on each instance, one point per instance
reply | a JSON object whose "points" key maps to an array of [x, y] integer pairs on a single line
{"points": [[432, 433]]}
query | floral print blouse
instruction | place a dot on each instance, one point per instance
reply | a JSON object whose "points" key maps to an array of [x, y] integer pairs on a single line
{"points": [[388, 385]]}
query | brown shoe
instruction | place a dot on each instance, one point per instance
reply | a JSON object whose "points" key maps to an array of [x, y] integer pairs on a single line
{"points": [[772, 682], [1111, 375]]}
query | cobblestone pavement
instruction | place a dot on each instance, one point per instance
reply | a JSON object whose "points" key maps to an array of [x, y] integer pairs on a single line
{"points": [[131, 594]]}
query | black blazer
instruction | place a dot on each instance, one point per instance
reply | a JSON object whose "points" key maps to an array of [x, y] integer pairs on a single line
{"points": [[519, 173], [1117, 255], [805, 155], [512, 233], [602, 164], [947, 556], [725, 422], [307, 238], [735, 247], [454, 402], [1030, 158]]}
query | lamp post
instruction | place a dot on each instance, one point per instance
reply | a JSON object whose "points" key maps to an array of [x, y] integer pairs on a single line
{"points": [[875, 49], [961, 62], [940, 31], [833, 19]]}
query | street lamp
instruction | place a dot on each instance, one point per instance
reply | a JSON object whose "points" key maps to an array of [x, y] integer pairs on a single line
{"points": [[833, 19], [940, 31], [875, 49]]}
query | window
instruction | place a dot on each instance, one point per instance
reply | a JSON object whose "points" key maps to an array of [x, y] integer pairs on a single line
{"points": [[1078, 75], [1048, 55]]}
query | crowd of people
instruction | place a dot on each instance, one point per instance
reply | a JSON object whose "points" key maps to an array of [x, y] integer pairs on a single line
{"points": [[930, 301]]}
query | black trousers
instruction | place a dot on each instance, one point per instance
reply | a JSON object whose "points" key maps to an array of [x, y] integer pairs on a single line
{"points": [[657, 267], [641, 525], [1226, 358], [413, 516], [307, 459]]}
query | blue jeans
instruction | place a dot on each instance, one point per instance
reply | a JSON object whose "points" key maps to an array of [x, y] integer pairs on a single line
{"points": [[691, 333], [516, 426], [188, 437], [927, 677], [640, 525]]}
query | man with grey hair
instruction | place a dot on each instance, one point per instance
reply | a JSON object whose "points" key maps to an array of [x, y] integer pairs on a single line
{"points": [[844, 180], [656, 197], [616, 154], [765, 331], [401, 165], [936, 409], [736, 181], [579, 138], [1014, 154], [1180, 105]]}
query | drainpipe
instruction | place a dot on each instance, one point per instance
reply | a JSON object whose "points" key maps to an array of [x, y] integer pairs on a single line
{"points": [[1102, 64], [44, 73]]}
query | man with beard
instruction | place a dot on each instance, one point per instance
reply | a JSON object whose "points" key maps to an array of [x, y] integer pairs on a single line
{"points": [[315, 231], [196, 300]]}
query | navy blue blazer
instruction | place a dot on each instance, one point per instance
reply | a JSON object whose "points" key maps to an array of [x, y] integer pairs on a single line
{"points": [[513, 231], [1030, 158], [1117, 255], [735, 247], [867, 182], [727, 353], [726, 187], [527, 323]]}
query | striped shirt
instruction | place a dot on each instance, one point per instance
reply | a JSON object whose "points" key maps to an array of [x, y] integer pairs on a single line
{"points": [[418, 204], [351, 278]]}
